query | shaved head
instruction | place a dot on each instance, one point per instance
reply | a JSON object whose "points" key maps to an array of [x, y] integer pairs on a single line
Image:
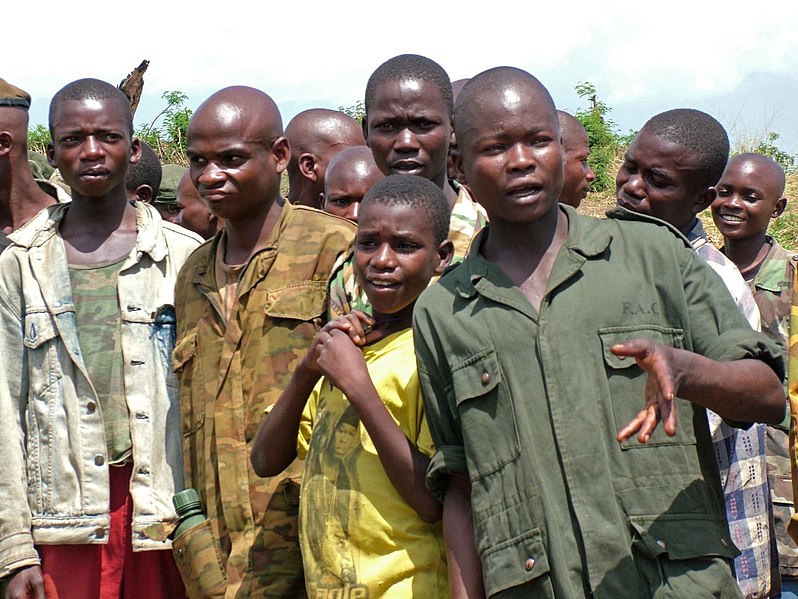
{"points": [[246, 109], [315, 136], [765, 167], [358, 158], [506, 85], [571, 130], [14, 120]]}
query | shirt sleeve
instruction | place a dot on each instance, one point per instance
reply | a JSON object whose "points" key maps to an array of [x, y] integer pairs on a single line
{"points": [[449, 455], [306, 422]]}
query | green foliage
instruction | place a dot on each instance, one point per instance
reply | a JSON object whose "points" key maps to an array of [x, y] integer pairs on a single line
{"points": [[603, 138], [38, 138], [771, 150], [357, 111], [169, 140]]}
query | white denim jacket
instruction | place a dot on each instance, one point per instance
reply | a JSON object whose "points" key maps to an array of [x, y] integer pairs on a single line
{"points": [[54, 485]]}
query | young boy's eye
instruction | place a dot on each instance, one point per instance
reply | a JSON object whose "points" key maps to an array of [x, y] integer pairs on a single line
{"points": [[723, 192], [196, 160], [339, 202], [111, 137]]}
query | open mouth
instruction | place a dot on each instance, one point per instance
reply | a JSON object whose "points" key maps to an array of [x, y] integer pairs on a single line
{"points": [[731, 218], [385, 284], [406, 167], [527, 191]]}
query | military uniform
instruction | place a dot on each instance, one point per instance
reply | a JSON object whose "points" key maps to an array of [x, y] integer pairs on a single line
{"points": [[467, 220], [772, 285], [231, 369], [528, 403]]}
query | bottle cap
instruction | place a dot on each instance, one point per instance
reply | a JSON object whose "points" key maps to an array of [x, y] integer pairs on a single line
{"points": [[184, 500]]}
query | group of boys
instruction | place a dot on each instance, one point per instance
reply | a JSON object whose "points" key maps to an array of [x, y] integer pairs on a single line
{"points": [[523, 429]]}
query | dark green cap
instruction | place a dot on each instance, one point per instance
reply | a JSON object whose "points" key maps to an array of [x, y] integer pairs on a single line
{"points": [[11, 95], [169, 180]]}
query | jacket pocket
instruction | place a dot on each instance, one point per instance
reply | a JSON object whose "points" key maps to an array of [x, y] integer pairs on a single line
{"points": [[486, 413], [627, 384], [199, 560], [40, 346], [301, 301], [520, 560], [191, 406]]}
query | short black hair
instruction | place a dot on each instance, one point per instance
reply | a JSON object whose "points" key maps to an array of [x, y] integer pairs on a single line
{"points": [[90, 89], [147, 171], [417, 192], [701, 134], [411, 66]]}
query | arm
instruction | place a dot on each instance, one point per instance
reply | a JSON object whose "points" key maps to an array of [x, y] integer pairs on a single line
{"points": [[274, 447], [465, 569], [342, 363], [744, 390]]}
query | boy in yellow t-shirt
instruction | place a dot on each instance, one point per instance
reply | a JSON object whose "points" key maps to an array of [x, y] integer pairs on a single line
{"points": [[368, 526]]}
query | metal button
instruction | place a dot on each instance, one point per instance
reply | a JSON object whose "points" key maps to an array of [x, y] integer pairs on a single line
{"points": [[99, 533], [99, 460], [485, 378], [56, 304], [529, 564], [661, 543], [91, 406]]}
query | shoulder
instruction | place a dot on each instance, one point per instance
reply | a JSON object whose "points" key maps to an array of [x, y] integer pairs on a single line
{"points": [[316, 223], [640, 227]]}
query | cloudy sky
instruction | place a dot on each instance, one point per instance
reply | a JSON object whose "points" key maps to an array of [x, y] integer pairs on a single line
{"points": [[736, 60]]}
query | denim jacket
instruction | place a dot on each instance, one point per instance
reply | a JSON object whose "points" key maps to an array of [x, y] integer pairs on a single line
{"points": [[54, 480]]}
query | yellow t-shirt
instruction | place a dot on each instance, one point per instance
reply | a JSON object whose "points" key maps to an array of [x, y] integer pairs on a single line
{"points": [[359, 538]]}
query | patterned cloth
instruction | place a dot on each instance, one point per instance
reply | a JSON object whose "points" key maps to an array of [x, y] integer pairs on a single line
{"points": [[741, 456], [230, 371], [468, 218], [771, 285]]}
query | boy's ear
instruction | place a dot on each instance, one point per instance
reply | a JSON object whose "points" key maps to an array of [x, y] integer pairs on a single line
{"points": [[778, 209], [281, 152], [704, 199], [364, 125], [144, 194], [445, 255], [6, 142], [321, 200], [307, 166], [51, 154], [135, 150]]}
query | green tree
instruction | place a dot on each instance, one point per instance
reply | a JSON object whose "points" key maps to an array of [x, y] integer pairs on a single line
{"points": [[771, 150], [357, 111], [169, 139], [38, 138], [602, 136]]}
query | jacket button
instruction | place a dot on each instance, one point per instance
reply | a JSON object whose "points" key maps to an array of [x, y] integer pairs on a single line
{"points": [[529, 564], [99, 533], [99, 460], [91, 406], [485, 378]]}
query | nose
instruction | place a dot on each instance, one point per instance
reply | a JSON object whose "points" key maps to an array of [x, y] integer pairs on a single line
{"points": [[91, 148], [630, 183], [384, 258], [355, 211], [210, 175], [521, 157], [590, 175], [406, 140]]}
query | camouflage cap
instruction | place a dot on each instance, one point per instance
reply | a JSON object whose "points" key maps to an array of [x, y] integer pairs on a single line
{"points": [[171, 177], [11, 95]]}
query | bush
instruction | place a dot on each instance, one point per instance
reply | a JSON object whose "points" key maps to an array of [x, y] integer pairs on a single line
{"points": [[603, 138]]}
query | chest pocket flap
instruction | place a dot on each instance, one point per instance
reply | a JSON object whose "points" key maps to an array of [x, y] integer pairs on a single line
{"points": [[300, 301], [39, 329]]}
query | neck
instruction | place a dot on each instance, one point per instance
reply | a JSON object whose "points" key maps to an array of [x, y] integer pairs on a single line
{"points": [[388, 324], [508, 242], [442, 181], [746, 253], [20, 200], [103, 213], [247, 236]]}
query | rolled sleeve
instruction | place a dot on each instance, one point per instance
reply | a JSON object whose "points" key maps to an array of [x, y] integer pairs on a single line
{"points": [[449, 459]]}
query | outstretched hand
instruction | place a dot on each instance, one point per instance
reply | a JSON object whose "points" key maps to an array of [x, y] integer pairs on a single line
{"points": [[660, 363]]}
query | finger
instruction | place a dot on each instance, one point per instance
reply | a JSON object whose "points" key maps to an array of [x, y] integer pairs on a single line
{"points": [[634, 348], [357, 331], [367, 320], [633, 426], [649, 424]]}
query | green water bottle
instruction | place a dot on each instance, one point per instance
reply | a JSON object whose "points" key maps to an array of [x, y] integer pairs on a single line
{"points": [[189, 511]]}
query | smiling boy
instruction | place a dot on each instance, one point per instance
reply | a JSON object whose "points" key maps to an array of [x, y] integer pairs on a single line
{"points": [[750, 194], [368, 526], [90, 440], [534, 371], [249, 303], [408, 126]]}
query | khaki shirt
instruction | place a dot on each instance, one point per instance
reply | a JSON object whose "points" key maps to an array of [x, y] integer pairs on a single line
{"points": [[230, 372], [528, 404]]}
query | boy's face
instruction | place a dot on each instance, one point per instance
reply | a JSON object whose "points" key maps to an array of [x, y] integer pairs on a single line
{"points": [[408, 129], [511, 153], [747, 199], [396, 256], [577, 174], [193, 214], [657, 178], [92, 146], [232, 170], [345, 185]]}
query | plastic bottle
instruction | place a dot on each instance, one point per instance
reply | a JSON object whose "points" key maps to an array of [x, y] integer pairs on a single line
{"points": [[189, 511]]}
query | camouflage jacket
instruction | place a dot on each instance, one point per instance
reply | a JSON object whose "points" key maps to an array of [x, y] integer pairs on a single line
{"points": [[772, 289], [468, 219], [230, 373]]}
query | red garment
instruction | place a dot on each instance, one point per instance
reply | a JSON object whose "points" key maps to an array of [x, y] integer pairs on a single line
{"points": [[111, 571]]}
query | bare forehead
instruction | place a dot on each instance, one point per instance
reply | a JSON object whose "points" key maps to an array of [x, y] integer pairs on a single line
{"points": [[90, 112], [408, 91], [238, 111]]}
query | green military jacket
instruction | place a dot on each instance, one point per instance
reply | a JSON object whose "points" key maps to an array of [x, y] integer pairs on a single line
{"points": [[528, 405], [230, 373]]}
